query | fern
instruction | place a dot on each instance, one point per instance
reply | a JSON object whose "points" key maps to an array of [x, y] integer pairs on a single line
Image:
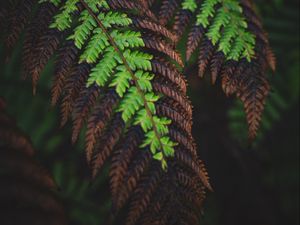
{"points": [[119, 73], [233, 46]]}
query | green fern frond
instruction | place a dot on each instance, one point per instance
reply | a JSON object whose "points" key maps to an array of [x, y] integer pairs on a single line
{"points": [[116, 63], [226, 27]]}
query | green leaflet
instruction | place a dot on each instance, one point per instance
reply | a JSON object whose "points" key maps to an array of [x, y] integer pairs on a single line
{"points": [[83, 31], [132, 81], [226, 27], [190, 5]]}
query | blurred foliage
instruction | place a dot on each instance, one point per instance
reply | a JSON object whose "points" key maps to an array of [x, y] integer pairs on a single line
{"points": [[253, 186]]}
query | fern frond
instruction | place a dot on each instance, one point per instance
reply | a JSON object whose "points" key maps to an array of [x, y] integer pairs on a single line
{"points": [[284, 92], [182, 20], [121, 159], [65, 62], [119, 72], [167, 11], [106, 145], [251, 89], [207, 49], [155, 28], [139, 165], [33, 34], [147, 188], [169, 73], [74, 85], [227, 31], [87, 99], [46, 47], [178, 117], [98, 120]]}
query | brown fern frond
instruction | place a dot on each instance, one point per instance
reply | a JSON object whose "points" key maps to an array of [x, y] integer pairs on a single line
{"points": [[160, 213], [121, 159], [97, 122], [184, 140], [162, 46], [207, 50], [182, 21], [155, 28], [250, 83], [65, 62], [143, 195], [194, 165], [181, 100], [162, 206], [131, 5], [33, 33], [186, 181], [106, 145], [46, 47], [27, 190], [271, 58], [229, 84], [75, 83], [136, 178], [179, 118], [87, 99], [194, 39], [14, 138], [163, 203], [146, 3], [169, 72], [139, 165], [252, 91], [167, 11], [216, 66]]}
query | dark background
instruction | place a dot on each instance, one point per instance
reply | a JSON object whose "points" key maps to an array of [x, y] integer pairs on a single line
{"points": [[255, 184]]}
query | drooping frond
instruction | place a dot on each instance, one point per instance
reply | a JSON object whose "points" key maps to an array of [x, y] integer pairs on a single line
{"points": [[117, 73], [27, 191], [230, 37], [284, 92]]}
